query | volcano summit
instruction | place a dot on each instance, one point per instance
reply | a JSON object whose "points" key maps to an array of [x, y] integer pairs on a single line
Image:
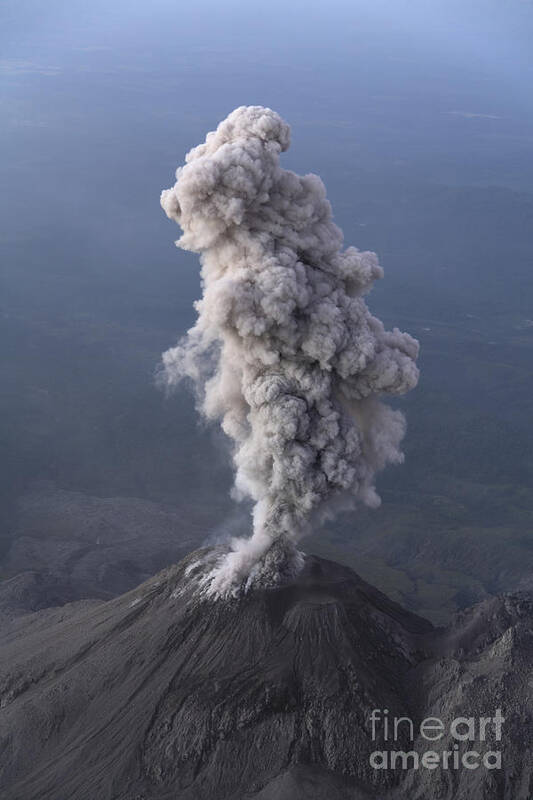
{"points": [[164, 694]]}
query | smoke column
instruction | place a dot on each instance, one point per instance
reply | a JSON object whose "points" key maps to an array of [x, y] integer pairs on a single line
{"points": [[284, 351]]}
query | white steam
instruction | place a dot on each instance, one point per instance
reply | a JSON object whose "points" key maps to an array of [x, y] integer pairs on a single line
{"points": [[284, 351]]}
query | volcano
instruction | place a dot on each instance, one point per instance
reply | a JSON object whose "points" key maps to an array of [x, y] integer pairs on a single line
{"points": [[166, 694]]}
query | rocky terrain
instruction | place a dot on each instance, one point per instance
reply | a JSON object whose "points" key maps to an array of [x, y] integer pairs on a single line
{"points": [[164, 694], [76, 545]]}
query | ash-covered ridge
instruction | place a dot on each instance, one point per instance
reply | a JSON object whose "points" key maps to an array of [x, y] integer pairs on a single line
{"points": [[163, 693]]}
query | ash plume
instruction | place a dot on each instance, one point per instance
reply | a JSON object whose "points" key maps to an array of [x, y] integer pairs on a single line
{"points": [[284, 351]]}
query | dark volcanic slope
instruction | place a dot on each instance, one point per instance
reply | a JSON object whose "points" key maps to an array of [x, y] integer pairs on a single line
{"points": [[159, 695]]}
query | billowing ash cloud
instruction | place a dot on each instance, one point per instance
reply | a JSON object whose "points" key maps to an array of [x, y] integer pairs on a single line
{"points": [[284, 351]]}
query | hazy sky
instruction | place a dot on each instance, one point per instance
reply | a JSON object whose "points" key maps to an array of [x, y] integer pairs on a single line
{"points": [[101, 100], [432, 87]]}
